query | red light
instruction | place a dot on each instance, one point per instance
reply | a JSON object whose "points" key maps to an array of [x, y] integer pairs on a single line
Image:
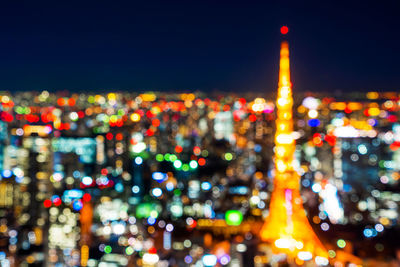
{"points": [[109, 136], [119, 136], [392, 118], [156, 122], [149, 132], [71, 102], [152, 250], [104, 171], [252, 118], [284, 30], [57, 201], [47, 203], [178, 149], [202, 161], [196, 150], [86, 197]]}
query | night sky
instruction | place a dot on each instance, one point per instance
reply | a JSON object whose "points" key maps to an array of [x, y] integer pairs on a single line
{"points": [[198, 45]]}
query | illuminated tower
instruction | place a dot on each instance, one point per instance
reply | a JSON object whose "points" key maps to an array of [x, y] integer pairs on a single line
{"points": [[287, 228]]}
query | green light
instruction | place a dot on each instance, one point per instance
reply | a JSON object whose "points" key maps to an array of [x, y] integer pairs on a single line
{"points": [[228, 156], [91, 99], [129, 250], [341, 243], [144, 210], [193, 164], [204, 153], [107, 249], [177, 164], [332, 253], [173, 157], [233, 217], [177, 192], [167, 157], [159, 157], [185, 167]]}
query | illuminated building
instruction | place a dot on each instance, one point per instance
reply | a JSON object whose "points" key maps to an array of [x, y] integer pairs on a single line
{"points": [[287, 227]]}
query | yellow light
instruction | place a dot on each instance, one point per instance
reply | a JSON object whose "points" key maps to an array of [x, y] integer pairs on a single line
{"points": [[374, 111], [84, 255], [372, 95], [135, 117]]}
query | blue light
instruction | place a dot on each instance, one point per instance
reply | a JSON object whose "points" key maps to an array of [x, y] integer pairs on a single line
{"points": [[77, 205], [206, 186], [6, 173], [73, 193], [367, 233], [314, 122], [119, 187], [76, 174], [138, 160], [169, 186], [188, 259], [135, 189], [151, 220], [159, 176], [305, 182]]}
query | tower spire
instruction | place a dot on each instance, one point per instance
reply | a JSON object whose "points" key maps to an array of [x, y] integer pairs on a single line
{"points": [[287, 228]]}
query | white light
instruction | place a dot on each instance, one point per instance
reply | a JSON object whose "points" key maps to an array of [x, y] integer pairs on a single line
{"points": [[87, 180], [106, 230], [241, 248], [169, 227], [118, 229], [304, 255], [346, 132], [284, 139], [311, 102], [177, 164], [209, 260], [139, 147], [362, 149], [316, 188], [282, 243], [255, 200], [312, 114], [379, 227], [321, 260], [193, 164], [157, 192], [150, 258]]}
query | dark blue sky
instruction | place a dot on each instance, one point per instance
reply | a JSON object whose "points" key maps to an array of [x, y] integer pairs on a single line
{"points": [[190, 45]]}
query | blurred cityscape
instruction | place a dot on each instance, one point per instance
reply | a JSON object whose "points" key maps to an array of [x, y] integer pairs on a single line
{"points": [[185, 179], [124, 178]]}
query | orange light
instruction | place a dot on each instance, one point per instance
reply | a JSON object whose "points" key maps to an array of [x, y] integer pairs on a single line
{"points": [[287, 228]]}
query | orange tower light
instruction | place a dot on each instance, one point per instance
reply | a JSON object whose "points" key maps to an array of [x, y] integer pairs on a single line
{"points": [[287, 228]]}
